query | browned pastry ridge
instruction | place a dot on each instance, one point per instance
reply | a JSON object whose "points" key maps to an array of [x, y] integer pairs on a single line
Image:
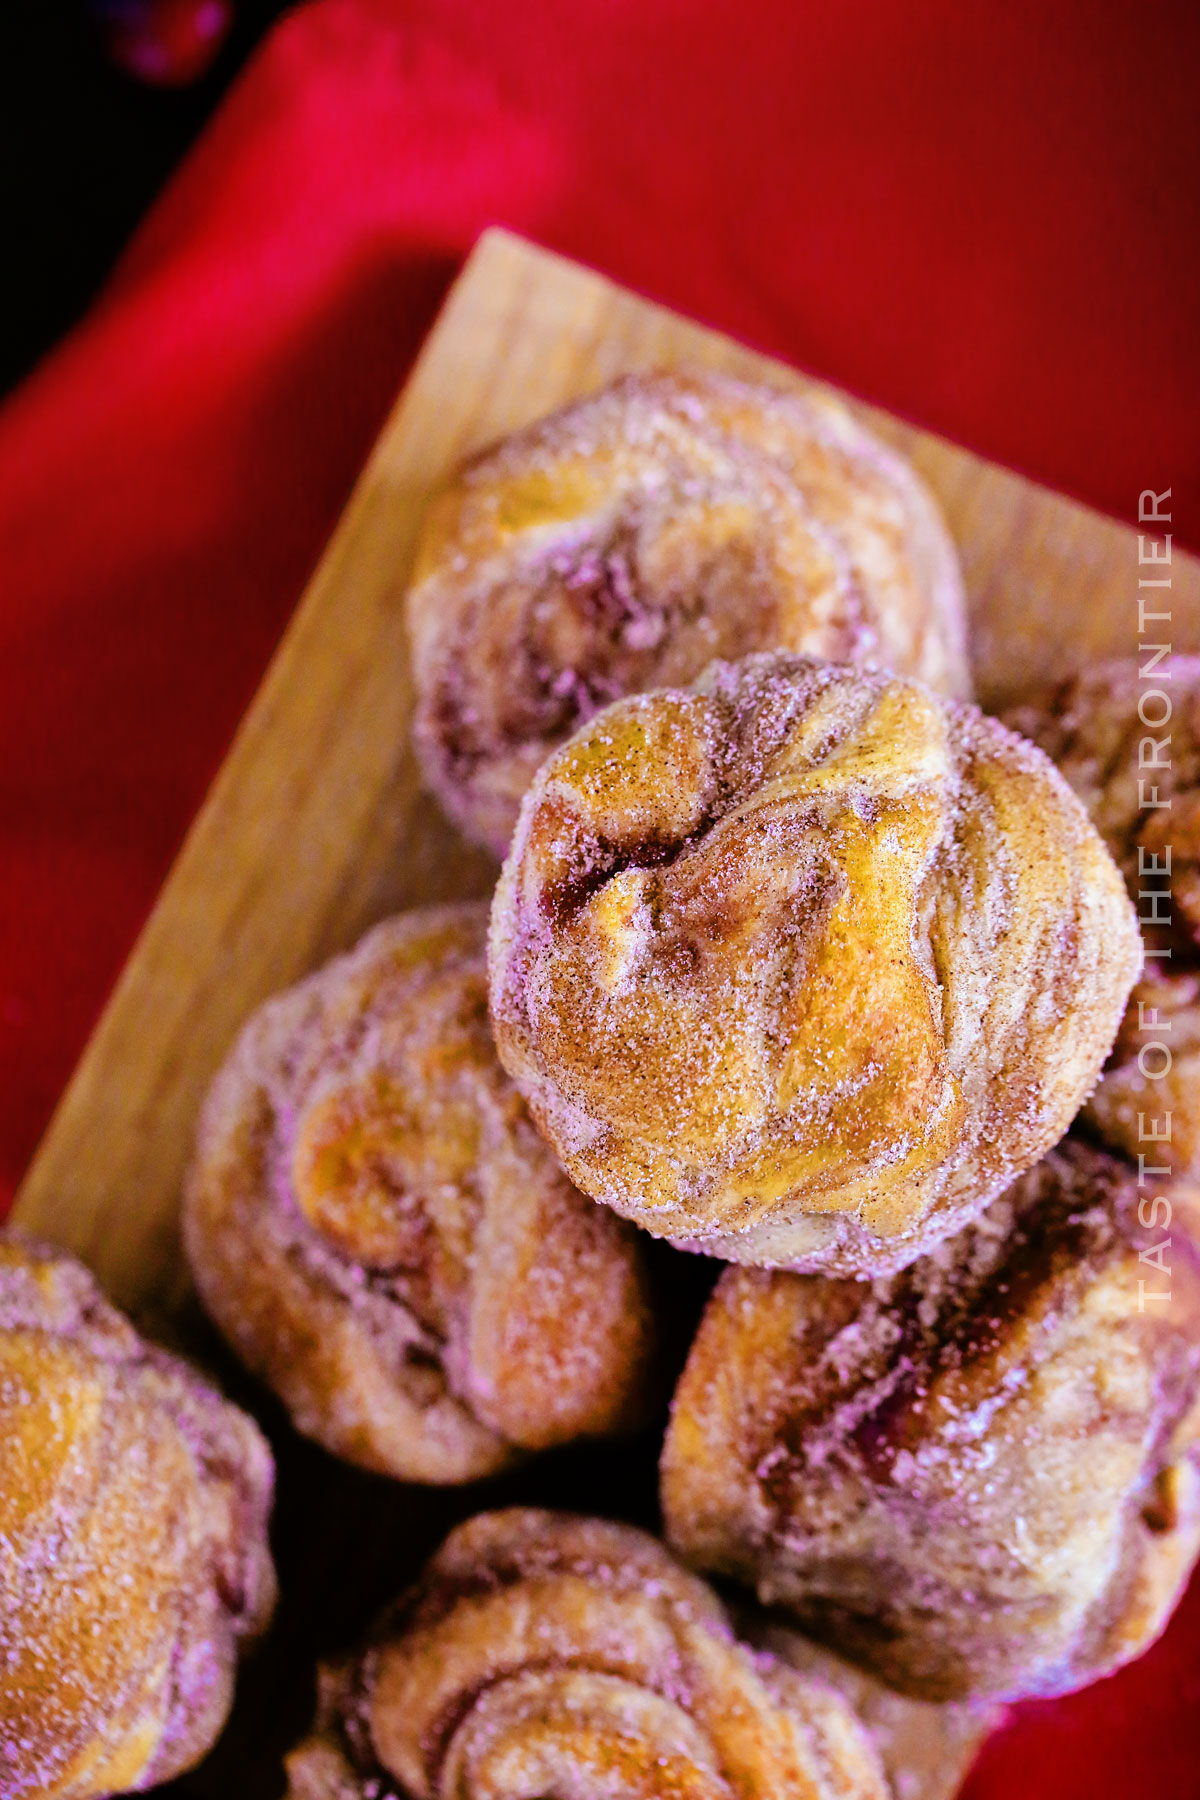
{"points": [[133, 1542], [623, 543], [543, 1654], [382, 1235], [926, 1748], [800, 966], [1141, 786], [978, 1477]]}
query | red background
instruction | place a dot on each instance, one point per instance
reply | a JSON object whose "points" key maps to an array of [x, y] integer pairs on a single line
{"points": [[986, 218]]}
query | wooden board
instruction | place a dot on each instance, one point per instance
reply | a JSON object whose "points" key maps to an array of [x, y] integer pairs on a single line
{"points": [[316, 827]]}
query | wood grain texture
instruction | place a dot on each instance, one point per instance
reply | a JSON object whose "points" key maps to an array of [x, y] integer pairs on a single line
{"points": [[316, 827]]}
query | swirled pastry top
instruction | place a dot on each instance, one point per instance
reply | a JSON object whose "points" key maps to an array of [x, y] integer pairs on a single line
{"points": [[625, 542], [980, 1475], [802, 965], [133, 1543], [379, 1230], [549, 1655]]}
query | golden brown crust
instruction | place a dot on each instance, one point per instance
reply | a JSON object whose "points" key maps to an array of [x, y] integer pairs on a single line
{"points": [[800, 966], [1141, 786], [625, 542], [133, 1542], [926, 1749], [980, 1476], [543, 1653], [382, 1235]]}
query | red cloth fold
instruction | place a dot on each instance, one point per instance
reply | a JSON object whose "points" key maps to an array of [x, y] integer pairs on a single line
{"points": [[985, 218]]}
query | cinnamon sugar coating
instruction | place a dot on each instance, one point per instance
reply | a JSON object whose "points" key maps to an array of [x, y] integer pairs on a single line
{"points": [[926, 1748], [134, 1564], [382, 1235], [800, 966], [978, 1477], [1141, 786], [625, 542], [546, 1654]]}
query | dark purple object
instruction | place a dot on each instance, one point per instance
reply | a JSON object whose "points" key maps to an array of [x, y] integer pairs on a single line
{"points": [[165, 43]]}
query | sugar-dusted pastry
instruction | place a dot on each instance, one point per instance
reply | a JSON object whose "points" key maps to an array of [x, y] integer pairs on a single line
{"points": [[980, 1476], [134, 1565], [543, 1654], [625, 542], [382, 1235], [1141, 784], [926, 1748], [800, 966]]}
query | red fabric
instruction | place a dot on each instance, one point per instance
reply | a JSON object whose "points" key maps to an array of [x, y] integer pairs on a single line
{"points": [[985, 217]]}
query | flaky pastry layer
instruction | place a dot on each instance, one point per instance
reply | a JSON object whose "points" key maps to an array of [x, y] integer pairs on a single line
{"points": [[134, 1564], [980, 1476], [1141, 785], [625, 542], [382, 1235], [546, 1654], [801, 965]]}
